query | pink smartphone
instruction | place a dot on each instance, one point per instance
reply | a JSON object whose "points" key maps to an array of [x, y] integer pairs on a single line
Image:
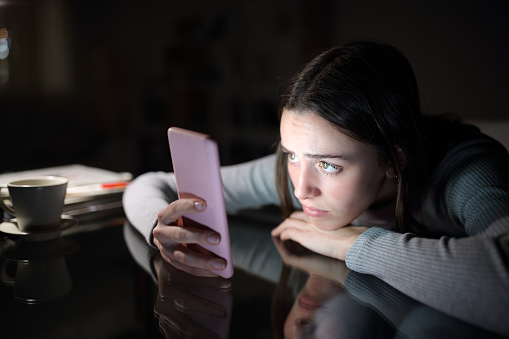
{"points": [[196, 165]]}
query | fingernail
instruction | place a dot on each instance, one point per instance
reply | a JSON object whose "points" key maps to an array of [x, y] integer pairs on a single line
{"points": [[218, 312], [213, 239], [199, 205], [219, 265], [224, 284], [179, 303]]}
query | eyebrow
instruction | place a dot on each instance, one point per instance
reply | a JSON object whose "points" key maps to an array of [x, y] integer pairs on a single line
{"points": [[319, 156]]}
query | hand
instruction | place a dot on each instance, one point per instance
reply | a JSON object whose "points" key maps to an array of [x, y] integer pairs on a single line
{"points": [[293, 254], [334, 244], [179, 245], [189, 306]]}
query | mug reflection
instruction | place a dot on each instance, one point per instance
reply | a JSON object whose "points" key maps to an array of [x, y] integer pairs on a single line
{"points": [[37, 271]]}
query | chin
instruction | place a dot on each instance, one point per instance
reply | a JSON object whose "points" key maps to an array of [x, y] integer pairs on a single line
{"points": [[328, 225]]}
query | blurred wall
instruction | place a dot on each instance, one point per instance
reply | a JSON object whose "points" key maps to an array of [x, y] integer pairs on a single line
{"points": [[99, 82], [459, 49]]}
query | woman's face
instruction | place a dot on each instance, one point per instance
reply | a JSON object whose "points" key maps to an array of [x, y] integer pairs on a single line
{"points": [[315, 296], [336, 178], [323, 309]]}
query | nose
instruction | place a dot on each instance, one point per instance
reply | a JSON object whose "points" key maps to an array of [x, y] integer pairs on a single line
{"points": [[303, 328], [306, 185]]}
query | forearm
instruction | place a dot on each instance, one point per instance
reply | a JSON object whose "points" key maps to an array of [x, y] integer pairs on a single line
{"points": [[250, 184], [145, 197], [246, 185], [140, 250]]}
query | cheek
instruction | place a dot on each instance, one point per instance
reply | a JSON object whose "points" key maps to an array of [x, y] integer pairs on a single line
{"points": [[355, 191], [293, 173], [345, 193], [368, 188]]}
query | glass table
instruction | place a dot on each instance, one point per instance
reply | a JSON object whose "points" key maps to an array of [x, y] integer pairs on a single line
{"points": [[101, 280]]}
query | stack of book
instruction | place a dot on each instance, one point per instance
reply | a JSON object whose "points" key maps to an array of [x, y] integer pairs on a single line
{"points": [[92, 193]]}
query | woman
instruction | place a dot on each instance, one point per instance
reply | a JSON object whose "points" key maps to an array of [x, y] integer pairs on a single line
{"points": [[423, 204]]}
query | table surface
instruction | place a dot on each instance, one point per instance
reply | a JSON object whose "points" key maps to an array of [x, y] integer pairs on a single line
{"points": [[101, 280]]}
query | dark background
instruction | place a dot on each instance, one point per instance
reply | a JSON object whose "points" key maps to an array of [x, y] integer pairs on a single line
{"points": [[99, 82]]}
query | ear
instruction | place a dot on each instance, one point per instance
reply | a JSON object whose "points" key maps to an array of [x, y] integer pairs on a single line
{"points": [[391, 173]]}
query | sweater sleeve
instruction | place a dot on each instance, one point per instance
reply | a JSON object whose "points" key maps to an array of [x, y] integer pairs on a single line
{"points": [[466, 277], [246, 185], [145, 197]]}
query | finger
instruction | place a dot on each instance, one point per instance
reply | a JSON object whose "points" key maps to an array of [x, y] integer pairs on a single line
{"points": [[178, 208], [299, 215], [300, 236], [197, 272], [191, 258], [168, 256], [192, 262], [184, 235], [184, 327], [290, 233], [216, 285], [288, 223], [189, 303], [317, 242]]}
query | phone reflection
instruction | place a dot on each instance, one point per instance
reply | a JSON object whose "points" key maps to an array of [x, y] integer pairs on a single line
{"points": [[189, 306]]}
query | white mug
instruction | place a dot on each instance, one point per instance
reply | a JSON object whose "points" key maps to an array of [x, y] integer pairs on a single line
{"points": [[37, 202]]}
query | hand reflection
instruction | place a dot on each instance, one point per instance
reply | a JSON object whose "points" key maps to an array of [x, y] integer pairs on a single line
{"points": [[322, 308], [189, 306], [295, 255]]}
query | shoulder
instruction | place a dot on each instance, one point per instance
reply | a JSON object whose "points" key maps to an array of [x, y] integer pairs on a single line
{"points": [[454, 148], [473, 182], [474, 157], [469, 179], [447, 134]]}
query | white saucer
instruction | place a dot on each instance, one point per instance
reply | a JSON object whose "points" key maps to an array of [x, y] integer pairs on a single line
{"points": [[10, 227]]}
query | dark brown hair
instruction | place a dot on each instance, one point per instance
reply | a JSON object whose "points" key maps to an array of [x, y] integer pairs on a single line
{"points": [[368, 91]]}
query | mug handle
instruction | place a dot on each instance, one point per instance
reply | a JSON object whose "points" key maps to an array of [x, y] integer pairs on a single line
{"points": [[6, 208], [6, 279]]}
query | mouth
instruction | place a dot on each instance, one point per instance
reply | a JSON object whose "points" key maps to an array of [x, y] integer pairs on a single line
{"points": [[314, 212], [309, 304]]}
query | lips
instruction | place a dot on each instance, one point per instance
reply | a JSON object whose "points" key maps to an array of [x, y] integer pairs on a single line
{"points": [[314, 212], [309, 304]]}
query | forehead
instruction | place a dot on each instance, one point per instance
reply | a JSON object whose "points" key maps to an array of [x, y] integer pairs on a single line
{"points": [[308, 132]]}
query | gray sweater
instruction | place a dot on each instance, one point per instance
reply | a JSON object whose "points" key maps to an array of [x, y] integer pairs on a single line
{"points": [[460, 267]]}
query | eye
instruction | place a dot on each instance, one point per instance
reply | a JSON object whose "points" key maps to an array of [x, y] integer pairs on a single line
{"points": [[292, 157], [329, 168]]}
